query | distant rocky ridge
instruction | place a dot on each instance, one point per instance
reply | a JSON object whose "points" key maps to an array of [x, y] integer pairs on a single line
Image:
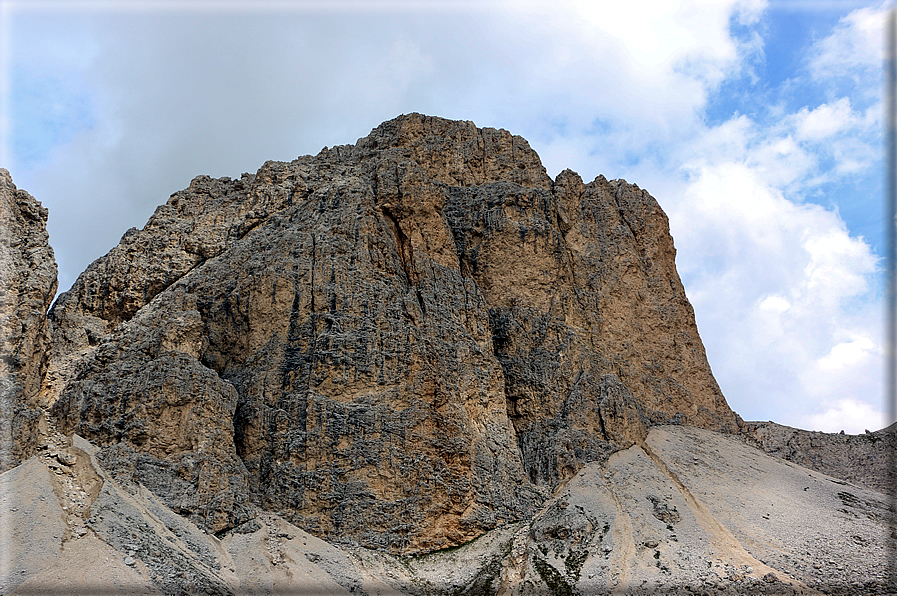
{"points": [[399, 345], [866, 459]]}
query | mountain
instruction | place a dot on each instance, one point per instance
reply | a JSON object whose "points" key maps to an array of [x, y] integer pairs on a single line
{"points": [[419, 356]]}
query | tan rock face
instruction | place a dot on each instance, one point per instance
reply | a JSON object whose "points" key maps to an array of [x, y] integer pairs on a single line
{"points": [[27, 286], [590, 321], [405, 342]]}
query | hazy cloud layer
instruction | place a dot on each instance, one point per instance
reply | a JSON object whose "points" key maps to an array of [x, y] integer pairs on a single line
{"points": [[114, 107]]}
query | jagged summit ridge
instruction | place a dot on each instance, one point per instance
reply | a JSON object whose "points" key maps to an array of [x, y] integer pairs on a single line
{"points": [[403, 342]]}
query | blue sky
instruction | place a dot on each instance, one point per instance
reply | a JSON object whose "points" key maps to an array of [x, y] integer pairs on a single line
{"points": [[756, 125]]}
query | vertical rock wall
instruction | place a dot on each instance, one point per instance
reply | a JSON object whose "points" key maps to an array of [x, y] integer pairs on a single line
{"points": [[27, 286]]}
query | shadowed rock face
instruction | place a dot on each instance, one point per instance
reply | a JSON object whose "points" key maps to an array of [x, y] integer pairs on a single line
{"points": [[27, 286], [405, 342]]}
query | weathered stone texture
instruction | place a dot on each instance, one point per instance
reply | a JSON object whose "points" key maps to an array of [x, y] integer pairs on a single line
{"points": [[406, 342], [164, 419], [584, 297], [27, 286]]}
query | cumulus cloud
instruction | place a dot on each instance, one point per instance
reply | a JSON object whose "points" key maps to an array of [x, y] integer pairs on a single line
{"points": [[627, 79], [847, 353], [782, 294], [788, 300], [854, 48], [824, 121]]}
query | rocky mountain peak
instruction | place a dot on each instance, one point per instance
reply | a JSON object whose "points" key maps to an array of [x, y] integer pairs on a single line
{"points": [[319, 377], [403, 342]]}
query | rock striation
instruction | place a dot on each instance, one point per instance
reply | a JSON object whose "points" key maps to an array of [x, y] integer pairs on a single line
{"points": [[27, 287], [403, 343]]}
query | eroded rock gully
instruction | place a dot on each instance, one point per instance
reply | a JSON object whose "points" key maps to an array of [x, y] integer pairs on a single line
{"points": [[403, 343]]}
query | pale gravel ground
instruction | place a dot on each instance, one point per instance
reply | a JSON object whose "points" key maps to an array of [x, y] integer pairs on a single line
{"points": [[791, 518], [39, 553], [33, 525], [689, 512]]}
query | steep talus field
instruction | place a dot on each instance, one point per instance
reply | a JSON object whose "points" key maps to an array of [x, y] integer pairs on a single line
{"points": [[413, 365]]}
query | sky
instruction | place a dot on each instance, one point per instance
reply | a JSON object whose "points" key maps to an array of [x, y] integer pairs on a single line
{"points": [[756, 124]]}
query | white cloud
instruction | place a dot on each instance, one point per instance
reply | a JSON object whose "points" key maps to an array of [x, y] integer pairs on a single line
{"points": [[847, 354], [801, 151], [619, 82], [854, 47], [839, 264], [783, 293], [776, 304], [825, 120], [850, 415], [836, 131], [787, 299]]}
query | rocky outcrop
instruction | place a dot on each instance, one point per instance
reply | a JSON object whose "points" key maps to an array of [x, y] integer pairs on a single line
{"points": [[165, 418], [195, 225], [27, 286], [866, 459], [404, 342]]}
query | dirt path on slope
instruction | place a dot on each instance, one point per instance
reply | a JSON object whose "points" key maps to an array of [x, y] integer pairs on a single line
{"points": [[622, 533]]}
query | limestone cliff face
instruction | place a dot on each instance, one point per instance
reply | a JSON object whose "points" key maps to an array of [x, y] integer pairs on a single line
{"points": [[405, 342], [589, 318], [27, 286]]}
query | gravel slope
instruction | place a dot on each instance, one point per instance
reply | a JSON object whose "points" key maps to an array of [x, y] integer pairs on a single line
{"points": [[689, 511]]}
